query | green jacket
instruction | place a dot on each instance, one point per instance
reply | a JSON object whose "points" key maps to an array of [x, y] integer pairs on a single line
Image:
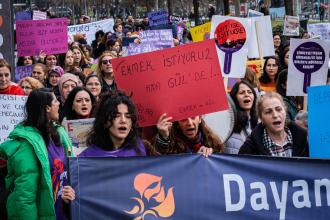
{"points": [[28, 168]]}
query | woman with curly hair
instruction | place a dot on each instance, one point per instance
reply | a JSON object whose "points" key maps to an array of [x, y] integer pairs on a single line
{"points": [[28, 84], [115, 129]]}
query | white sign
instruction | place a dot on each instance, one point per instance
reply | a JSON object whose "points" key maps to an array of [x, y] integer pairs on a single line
{"points": [[308, 65], [321, 29], [291, 26], [253, 13], [90, 29], [232, 35], [11, 113], [261, 37], [39, 15], [78, 131]]}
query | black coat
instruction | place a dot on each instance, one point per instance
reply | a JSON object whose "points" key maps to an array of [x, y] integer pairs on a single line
{"points": [[254, 144]]}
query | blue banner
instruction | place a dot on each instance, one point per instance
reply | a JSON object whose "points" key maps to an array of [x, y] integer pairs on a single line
{"points": [[191, 187]]}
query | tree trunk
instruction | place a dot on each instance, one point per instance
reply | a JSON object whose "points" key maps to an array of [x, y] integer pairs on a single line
{"points": [[288, 7], [170, 7], [196, 11], [220, 7], [156, 5], [226, 7], [237, 8], [117, 7]]}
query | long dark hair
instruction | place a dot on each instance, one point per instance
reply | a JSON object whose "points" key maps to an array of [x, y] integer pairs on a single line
{"points": [[105, 112], [36, 114], [241, 116], [264, 78], [68, 112]]}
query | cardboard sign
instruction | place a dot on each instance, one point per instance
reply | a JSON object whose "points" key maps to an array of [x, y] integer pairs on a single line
{"points": [[7, 49], [308, 65], [261, 41], [39, 15], [78, 131], [163, 37], [321, 29], [291, 26], [256, 66], [11, 113], [87, 71], [89, 29], [231, 36], [318, 121], [158, 18], [201, 32], [134, 49], [184, 81], [48, 35], [22, 71], [253, 13], [23, 16]]}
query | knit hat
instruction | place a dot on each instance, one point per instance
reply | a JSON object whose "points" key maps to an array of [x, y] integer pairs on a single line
{"points": [[64, 78], [57, 69]]}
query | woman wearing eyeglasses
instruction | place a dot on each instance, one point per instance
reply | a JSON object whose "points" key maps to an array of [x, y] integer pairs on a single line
{"points": [[270, 72], [105, 72], [28, 84]]}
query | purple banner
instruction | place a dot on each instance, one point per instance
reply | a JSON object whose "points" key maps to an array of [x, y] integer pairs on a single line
{"points": [[50, 35], [23, 16], [22, 71]]}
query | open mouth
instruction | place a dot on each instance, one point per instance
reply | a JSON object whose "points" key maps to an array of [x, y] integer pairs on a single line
{"points": [[84, 109], [122, 128], [246, 101], [276, 123]]}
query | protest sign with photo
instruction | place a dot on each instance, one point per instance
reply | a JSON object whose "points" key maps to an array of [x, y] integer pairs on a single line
{"points": [[261, 41], [291, 26], [318, 121], [50, 36], [232, 37], [201, 32], [158, 18], [308, 65], [89, 29], [321, 29], [11, 113], [39, 15], [78, 131], [183, 81], [22, 71]]}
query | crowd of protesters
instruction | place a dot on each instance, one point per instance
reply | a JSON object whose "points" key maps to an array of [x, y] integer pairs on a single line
{"points": [[59, 89]]}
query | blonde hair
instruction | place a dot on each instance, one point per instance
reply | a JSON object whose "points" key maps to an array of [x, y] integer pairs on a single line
{"points": [[251, 77], [268, 95], [99, 63], [35, 84]]}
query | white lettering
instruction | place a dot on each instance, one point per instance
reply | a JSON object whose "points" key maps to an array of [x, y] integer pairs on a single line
{"points": [[317, 185], [262, 195], [280, 203], [301, 193], [227, 178]]}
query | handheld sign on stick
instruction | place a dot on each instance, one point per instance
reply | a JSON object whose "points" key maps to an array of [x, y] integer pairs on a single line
{"points": [[230, 37]]}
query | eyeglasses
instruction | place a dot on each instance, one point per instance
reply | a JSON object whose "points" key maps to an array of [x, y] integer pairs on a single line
{"points": [[105, 62], [25, 87]]}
